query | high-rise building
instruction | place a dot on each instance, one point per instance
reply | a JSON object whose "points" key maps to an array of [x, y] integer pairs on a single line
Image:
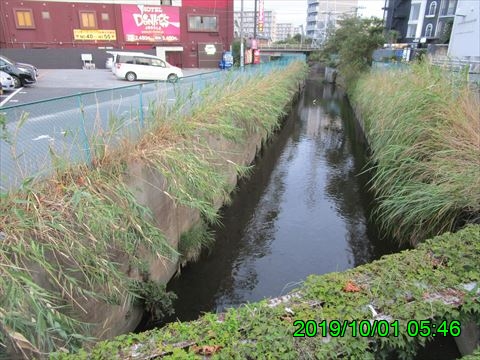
{"points": [[323, 14], [269, 28]]}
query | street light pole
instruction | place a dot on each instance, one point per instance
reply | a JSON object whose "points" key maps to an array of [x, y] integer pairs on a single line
{"points": [[242, 51]]}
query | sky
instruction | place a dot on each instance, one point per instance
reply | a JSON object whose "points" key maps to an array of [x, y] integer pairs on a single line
{"points": [[295, 11]]}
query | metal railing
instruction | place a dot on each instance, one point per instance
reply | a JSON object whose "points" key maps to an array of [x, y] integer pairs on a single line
{"points": [[38, 137], [300, 47], [457, 64]]}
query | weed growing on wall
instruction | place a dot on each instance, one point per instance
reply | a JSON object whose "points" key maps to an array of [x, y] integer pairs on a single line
{"points": [[156, 300], [194, 240], [424, 133]]}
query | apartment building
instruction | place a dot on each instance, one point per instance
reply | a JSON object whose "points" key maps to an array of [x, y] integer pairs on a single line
{"points": [[323, 14], [283, 31], [429, 19], [269, 25]]}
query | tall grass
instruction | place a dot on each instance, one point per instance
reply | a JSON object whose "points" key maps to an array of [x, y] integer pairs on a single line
{"points": [[178, 145], [423, 127], [66, 241], [73, 238]]}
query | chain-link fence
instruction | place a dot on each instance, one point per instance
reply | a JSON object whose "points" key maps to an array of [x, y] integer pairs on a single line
{"points": [[38, 137]]}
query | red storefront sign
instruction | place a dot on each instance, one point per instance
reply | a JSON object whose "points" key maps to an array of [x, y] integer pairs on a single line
{"points": [[142, 23]]}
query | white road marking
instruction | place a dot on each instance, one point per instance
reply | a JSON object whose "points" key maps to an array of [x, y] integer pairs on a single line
{"points": [[41, 137], [11, 95]]}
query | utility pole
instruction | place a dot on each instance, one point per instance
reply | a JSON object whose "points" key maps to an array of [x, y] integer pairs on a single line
{"points": [[255, 20], [242, 51], [301, 36]]}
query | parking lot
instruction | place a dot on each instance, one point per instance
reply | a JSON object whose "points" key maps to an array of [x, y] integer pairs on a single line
{"points": [[52, 83]]}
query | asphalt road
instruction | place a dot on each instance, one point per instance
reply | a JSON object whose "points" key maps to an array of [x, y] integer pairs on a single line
{"points": [[92, 102], [54, 83]]}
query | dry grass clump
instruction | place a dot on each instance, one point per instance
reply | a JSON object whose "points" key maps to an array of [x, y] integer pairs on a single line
{"points": [[423, 126]]}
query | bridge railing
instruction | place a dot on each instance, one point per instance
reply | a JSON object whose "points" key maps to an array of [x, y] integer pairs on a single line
{"points": [[302, 47], [41, 137]]}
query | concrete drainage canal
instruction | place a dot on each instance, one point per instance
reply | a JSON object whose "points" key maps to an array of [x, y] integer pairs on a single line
{"points": [[304, 210]]}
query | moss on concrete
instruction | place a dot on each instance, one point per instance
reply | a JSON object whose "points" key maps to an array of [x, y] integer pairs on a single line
{"points": [[438, 281]]}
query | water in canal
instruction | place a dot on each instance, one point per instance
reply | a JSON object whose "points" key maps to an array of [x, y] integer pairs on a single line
{"points": [[304, 210]]}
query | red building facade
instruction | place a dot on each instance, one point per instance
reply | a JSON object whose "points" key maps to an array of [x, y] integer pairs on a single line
{"points": [[192, 34]]}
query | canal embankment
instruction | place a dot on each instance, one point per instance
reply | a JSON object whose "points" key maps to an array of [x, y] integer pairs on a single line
{"points": [[423, 128], [427, 143], [81, 248]]}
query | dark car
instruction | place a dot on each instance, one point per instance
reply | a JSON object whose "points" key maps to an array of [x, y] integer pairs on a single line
{"points": [[22, 74]]}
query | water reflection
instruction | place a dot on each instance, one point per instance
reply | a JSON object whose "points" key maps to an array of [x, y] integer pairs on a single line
{"points": [[304, 210]]}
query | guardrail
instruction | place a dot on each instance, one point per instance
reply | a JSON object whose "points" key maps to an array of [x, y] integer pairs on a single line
{"points": [[36, 138]]}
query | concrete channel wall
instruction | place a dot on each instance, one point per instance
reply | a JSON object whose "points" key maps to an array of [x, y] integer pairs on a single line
{"points": [[150, 190]]}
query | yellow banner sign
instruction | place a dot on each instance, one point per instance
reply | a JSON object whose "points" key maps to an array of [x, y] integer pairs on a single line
{"points": [[79, 34]]}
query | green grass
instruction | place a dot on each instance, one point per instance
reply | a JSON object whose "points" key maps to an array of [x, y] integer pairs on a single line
{"points": [[65, 241], [424, 132], [72, 239], [194, 241]]}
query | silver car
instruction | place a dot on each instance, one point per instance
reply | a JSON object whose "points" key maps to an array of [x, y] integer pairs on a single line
{"points": [[6, 81]]}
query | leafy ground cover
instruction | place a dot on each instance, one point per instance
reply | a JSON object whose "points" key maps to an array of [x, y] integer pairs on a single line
{"points": [[438, 282]]}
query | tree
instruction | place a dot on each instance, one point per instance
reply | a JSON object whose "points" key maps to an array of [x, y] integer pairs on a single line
{"points": [[352, 45], [297, 38]]}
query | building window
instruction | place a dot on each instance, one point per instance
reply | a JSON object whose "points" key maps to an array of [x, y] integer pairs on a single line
{"points": [[24, 19], [448, 7], [414, 12], [432, 9], [202, 23], [428, 30], [411, 31], [105, 17], [88, 20], [45, 15]]}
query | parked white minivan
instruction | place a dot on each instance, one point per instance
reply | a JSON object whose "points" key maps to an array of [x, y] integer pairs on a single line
{"points": [[139, 66]]}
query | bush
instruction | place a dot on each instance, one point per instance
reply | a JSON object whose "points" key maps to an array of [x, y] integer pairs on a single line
{"points": [[354, 42]]}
